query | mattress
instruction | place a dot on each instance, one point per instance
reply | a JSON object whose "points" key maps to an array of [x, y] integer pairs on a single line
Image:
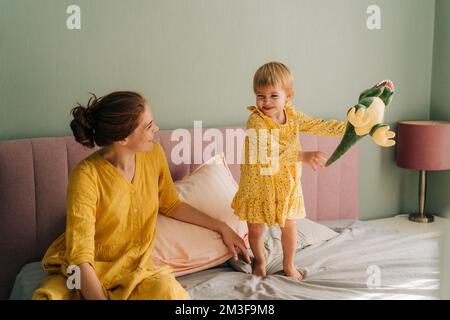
{"points": [[362, 262]]}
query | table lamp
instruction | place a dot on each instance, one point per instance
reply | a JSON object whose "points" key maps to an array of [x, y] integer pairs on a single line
{"points": [[423, 146]]}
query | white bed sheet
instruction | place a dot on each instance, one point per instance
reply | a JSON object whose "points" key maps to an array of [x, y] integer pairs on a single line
{"points": [[362, 262]]}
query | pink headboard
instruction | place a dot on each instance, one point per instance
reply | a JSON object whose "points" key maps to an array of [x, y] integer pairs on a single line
{"points": [[33, 183]]}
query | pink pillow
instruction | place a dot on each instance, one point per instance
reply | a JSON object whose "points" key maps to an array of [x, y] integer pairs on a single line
{"points": [[188, 248]]}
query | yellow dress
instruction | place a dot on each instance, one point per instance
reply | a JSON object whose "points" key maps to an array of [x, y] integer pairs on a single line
{"points": [[111, 225], [273, 198]]}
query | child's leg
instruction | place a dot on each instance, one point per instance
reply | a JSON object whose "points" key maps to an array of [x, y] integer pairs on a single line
{"points": [[256, 240], [289, 243]]}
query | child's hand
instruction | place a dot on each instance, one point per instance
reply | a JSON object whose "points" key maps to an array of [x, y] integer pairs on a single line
{"points": [[315, 159]]}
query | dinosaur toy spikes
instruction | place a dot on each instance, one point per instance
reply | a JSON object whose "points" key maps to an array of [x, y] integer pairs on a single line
{"points": [[366, 118]]}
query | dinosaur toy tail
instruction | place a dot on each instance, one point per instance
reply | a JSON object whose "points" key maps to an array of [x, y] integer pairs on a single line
{"points": [[349, 139]]}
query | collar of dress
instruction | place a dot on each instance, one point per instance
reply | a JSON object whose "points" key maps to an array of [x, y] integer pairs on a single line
{"points": [[289, 113]]}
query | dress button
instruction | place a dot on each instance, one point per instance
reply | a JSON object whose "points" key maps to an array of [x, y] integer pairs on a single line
{"points": [[135, 210]]}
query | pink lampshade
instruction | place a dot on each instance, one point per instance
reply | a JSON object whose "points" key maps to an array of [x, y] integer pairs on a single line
{"points": [[423, 145]]}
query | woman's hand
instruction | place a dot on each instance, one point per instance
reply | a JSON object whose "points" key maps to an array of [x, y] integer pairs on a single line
{"points": [[315, 159], [234, 243]]}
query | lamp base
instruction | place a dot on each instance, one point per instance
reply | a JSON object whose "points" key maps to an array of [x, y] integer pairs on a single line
{"points": [[425, 218]]}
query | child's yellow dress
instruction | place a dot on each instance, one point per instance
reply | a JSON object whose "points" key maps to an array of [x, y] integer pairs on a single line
{"points": [[271, 199], [111, 225]]}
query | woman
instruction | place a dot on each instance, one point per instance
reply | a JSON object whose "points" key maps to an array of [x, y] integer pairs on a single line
{"points": [[113, 198]]}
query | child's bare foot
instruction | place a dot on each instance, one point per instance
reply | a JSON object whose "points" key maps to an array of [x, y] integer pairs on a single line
{"points": [[291, 271], [259, 268]]}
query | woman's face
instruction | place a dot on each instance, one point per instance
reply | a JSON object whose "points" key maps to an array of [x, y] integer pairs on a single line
{"points": [[141, 139]]}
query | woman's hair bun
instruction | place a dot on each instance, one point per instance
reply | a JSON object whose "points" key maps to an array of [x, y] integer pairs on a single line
{"points": [[107, 119], [82, 126]]}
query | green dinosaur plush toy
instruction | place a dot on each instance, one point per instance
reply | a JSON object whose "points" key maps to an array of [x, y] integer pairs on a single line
{"points": [[366, 118]]}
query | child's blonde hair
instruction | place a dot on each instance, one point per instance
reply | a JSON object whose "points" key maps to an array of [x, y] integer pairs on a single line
{"points": [[273, 74]]}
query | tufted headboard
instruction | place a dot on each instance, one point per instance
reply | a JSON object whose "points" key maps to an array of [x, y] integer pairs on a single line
{"points": [[33, 182]]}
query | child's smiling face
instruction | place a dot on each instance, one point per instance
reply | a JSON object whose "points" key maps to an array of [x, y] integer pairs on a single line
{"points": [[271, 100]]}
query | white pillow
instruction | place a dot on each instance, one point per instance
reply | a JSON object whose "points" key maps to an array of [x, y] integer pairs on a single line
{"points": [[210, 189], [310, 232], [188, 248]]}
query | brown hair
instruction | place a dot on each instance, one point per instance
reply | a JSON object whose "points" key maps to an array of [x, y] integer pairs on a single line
{"points": [[273, 74], [107, 119]]}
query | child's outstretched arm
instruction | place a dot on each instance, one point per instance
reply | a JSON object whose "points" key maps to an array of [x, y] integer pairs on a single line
{"points": [[320, 127]]}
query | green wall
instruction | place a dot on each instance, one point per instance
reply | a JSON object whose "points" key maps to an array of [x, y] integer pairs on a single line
{"points": [[439, 182], [195, 60]]}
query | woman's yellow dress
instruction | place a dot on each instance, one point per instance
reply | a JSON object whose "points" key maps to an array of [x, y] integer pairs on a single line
{"points": [[111, 225], [273, 198]]}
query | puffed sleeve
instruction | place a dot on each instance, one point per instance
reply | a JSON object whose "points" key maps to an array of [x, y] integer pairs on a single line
{"points": [[82, 197], [320, 127], [168, 197]]}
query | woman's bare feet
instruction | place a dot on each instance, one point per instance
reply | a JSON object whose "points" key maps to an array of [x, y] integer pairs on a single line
{"points": [[291, 271], [259, 268]]}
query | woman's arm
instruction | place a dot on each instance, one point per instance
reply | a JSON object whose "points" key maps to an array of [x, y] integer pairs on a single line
{"points": [[82, 197], [91, 288], [235, 244]]}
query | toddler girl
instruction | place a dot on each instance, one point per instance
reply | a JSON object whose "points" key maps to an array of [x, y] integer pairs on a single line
{"points": [[275, 197]]}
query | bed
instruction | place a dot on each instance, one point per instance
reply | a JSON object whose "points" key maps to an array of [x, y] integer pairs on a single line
{"points": [[361, 262]]}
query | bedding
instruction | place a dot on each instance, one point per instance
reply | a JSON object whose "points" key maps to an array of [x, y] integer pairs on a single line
{"points": [[342, 267]]}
